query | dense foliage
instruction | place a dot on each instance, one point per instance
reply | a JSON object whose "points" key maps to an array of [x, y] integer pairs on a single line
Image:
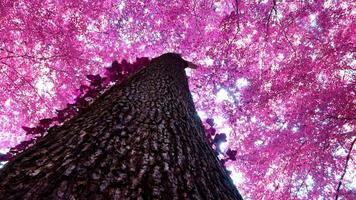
{"points": [[277, 77]]}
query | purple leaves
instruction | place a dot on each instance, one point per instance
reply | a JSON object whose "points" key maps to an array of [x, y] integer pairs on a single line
{"points": [[68, 112], [29, 131], [140, 62], [5, 157], [45, 123], [115, 71], [210, 121], [231, 154], [115, 67], [92, 93], [17, 149], [213, 138], [211, 132], [38, 130], [219, 138], [143, 61], [119, 70], [216, 140], [22, 146], [84, 88], [96, 80], [192, 65], [81, 102]]}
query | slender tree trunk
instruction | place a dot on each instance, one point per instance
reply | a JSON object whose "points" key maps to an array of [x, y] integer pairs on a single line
{"points": [[142, 139]]}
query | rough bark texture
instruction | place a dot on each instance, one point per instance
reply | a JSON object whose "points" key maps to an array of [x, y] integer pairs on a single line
{"points": [[142, 139]]}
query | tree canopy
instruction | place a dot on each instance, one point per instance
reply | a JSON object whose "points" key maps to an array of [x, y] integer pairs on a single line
{"points": [[276, 77]]}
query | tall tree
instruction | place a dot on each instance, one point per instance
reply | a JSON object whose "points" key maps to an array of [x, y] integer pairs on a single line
{"points": [[278, 77], [142, 139]]}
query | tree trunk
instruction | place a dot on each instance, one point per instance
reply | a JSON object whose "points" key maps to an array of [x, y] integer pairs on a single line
{"points": [[141, 139]]}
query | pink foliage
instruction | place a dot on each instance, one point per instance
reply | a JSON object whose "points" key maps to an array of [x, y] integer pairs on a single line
{"points": [[277, 77]]}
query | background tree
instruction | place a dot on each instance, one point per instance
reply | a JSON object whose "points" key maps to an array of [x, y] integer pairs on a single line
{"points": [[278, 77]]}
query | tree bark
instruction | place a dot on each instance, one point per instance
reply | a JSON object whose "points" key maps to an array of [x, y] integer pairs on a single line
{"points": [[142, 139]]}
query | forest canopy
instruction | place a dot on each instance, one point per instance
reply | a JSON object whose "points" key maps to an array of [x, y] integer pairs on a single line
{"points": [[276, 77]]}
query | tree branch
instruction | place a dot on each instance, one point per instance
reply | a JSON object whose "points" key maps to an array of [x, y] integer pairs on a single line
{"points": [[274, 8], [340, 118], [345, 169]]}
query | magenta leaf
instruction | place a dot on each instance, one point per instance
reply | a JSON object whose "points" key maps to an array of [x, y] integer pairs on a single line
{"points": [[34, 131], [84, 88], [143, 61], [81, 102], [29, 131], [92, 93], [231, 154], [66, 113], [115, 67], [40, 130], [211, 131], [22, 146], [114, 72], [95, 80], [124, 62], [5, 157], [210, 121], [219, 138], [46, 122], [60, 116]]}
